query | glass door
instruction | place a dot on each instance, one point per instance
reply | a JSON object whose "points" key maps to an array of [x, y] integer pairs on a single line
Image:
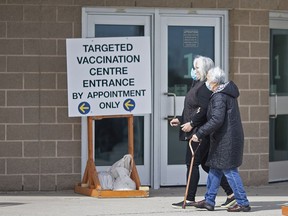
{"points": [[278, 121], [111, 135], [182, 39]]}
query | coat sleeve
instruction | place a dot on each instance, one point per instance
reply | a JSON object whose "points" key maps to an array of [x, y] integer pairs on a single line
{"points": [[217, 116], [199, 118]]}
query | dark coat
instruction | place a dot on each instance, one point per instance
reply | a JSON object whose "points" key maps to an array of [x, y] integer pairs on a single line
{"points": [[225, 128], [195, 108]]}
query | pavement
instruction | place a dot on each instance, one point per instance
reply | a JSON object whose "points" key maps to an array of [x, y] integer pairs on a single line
{"points": [[266, 200]]}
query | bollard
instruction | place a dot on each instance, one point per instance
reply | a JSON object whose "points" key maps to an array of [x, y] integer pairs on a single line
{"points": [[285, 210]]}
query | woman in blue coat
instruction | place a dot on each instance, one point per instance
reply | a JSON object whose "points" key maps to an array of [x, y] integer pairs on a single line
{"points": [[226, 141]]}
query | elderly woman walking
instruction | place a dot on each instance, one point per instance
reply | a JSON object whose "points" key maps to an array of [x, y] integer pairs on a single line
{"points": [[226, 141], [193, 116]]}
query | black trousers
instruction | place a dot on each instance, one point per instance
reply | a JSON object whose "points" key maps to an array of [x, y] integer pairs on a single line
{"points": [[200, 158]]}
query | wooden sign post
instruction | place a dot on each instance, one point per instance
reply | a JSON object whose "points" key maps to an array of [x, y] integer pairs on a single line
{"points": [[90, 184]]}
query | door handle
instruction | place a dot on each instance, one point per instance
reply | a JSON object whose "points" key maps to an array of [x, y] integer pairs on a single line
{"points": [[276, 104], [174, 105]]}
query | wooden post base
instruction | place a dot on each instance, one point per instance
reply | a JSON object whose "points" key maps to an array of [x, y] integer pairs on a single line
{"points": [[90, 184], [110, 193], [285, 210]]}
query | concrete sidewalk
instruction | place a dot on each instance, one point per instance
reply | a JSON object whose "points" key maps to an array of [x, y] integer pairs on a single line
{"points": [[265, 201]]}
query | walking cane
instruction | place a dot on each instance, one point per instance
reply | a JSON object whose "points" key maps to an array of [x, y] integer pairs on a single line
{"points": [[190, 171]]}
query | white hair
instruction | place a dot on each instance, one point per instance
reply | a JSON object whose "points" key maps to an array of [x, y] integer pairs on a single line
{"points": [[204, 64], [216, 75]]}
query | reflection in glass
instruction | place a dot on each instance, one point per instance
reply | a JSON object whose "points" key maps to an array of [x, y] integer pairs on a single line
{"points": [[278, 62], [278, 138], [111, 140], [118, 30], [176, 148], [184, 43], [111, 135]]}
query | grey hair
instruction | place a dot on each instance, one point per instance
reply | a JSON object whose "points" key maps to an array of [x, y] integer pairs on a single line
{"points": [[205, 64], [217, 75]]}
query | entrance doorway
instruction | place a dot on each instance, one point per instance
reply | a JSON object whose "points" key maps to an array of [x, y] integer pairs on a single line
{"points": [[195, 36], [111, 134], [176, 36], [278, 154]]}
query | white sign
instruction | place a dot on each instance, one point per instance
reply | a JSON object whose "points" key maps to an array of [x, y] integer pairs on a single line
{"points": [[108, 76]]}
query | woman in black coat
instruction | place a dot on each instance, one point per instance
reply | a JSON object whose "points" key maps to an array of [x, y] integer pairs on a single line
{"points": [[193, 116], [226, 141]]}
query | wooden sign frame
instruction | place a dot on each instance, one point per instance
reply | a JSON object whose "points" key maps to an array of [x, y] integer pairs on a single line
{"points": [[90, 184]]}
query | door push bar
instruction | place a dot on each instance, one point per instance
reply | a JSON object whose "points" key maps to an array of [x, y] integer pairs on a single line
{"points": [[174, 105], [276, 104]]}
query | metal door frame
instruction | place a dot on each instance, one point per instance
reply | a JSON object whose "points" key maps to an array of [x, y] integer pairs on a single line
{"points": [[175, 174], [278, 170]]}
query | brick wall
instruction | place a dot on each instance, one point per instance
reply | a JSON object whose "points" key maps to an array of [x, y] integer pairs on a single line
{"points": [[40, 147], [249, 57]]}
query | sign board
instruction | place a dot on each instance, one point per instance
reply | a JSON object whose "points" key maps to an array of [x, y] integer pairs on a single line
{"points": [[108, 76]]}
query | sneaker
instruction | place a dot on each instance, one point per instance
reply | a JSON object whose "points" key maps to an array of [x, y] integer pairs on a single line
{"points": [[180, 204], [238, 208], [229, 202]]}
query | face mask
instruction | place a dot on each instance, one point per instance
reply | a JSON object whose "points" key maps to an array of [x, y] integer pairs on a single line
{"points": [[208, 86], [193, 74]]}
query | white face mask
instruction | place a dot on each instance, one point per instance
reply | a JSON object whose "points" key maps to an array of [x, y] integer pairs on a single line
{"points": [[208, 86], [193, 74]]}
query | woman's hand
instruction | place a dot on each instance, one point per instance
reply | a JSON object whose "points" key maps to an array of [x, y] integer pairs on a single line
{"points": [[174, 122], [195, 138], [186, 127]]}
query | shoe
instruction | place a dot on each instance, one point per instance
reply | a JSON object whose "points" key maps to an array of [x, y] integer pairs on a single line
{"points": [[180, 204], [229, 202], [238, 208], [204, 204]]}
